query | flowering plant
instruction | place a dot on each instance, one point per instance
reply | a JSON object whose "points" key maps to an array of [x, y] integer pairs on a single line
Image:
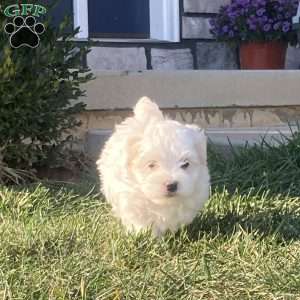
{"points": [[255, 20]]}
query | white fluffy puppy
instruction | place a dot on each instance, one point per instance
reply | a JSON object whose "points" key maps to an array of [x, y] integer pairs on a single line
{"points": [[154, 171]]}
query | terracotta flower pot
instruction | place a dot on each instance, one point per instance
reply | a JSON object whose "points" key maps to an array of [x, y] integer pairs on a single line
{"points": [[263, 55]]}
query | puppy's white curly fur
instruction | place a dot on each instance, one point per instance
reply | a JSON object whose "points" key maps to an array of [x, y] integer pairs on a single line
{"points": [[146, 155]]}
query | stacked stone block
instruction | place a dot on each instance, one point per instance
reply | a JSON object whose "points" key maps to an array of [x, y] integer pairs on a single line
{"points": [[197, 48]]}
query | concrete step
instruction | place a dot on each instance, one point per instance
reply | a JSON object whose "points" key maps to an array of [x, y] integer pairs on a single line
{"points": [[113, 90], [96, 138]]}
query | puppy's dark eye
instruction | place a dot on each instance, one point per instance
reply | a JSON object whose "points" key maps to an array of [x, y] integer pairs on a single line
{"points": [[185, 165], [152, 165]]}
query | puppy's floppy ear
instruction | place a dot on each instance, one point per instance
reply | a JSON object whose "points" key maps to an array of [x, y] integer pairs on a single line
{"points": [[146, 109], [131, 133], [131, 150], [200, 141]]}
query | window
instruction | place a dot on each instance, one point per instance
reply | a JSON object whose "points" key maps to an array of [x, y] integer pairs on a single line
{"points": [[119, 18], [61, 9], [146, 19]]}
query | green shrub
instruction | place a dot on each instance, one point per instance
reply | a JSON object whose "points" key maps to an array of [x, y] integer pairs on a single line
{"points": [[11, 175], [39, 91]]}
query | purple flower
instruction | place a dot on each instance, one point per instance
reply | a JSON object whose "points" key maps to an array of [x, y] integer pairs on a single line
{"points": [[277, 25], [212, 22], [259, 3], [225, 29], [249, 20], [260, 11], [263, 19], [267, 27], [252, 23], [242, 2], [286, 26], [287, 15]]}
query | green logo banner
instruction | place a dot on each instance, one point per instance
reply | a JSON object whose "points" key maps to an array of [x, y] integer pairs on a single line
{"points": [[15, 10], [23, 28]]}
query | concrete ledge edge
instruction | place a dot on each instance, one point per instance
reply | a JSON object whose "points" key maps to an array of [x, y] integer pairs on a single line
{"points": [[112, 90]]}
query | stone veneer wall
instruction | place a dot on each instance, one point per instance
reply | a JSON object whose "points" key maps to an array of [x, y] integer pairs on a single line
{"points": [[196, 50]]}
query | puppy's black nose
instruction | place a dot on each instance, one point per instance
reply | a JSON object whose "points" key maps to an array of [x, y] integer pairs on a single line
{"points": [[172, 187]]}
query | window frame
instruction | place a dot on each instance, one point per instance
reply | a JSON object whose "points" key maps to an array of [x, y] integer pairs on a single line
{"points": [[164, 20]]}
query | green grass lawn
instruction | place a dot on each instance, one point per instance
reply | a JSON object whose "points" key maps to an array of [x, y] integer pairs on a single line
{"points": [[61, 242]]}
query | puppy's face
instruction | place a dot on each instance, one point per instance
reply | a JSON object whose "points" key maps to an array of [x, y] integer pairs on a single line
{"points": [[168, 161]]}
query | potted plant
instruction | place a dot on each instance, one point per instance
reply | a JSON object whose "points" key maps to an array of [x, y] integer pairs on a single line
{"points": [[262, 28]]}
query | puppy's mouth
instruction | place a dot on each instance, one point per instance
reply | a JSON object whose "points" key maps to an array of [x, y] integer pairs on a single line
{"points": [[171, 194]]}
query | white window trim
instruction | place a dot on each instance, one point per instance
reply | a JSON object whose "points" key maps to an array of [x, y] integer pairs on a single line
{"points": [[164, 20], [297, 17], [80, 10]]}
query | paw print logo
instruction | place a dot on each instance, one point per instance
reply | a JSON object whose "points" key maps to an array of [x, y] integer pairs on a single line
{"points": [[24, 32]]}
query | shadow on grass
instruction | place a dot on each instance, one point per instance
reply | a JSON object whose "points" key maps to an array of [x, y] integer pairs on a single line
{"points": [[283, 226], [271, 168]]}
